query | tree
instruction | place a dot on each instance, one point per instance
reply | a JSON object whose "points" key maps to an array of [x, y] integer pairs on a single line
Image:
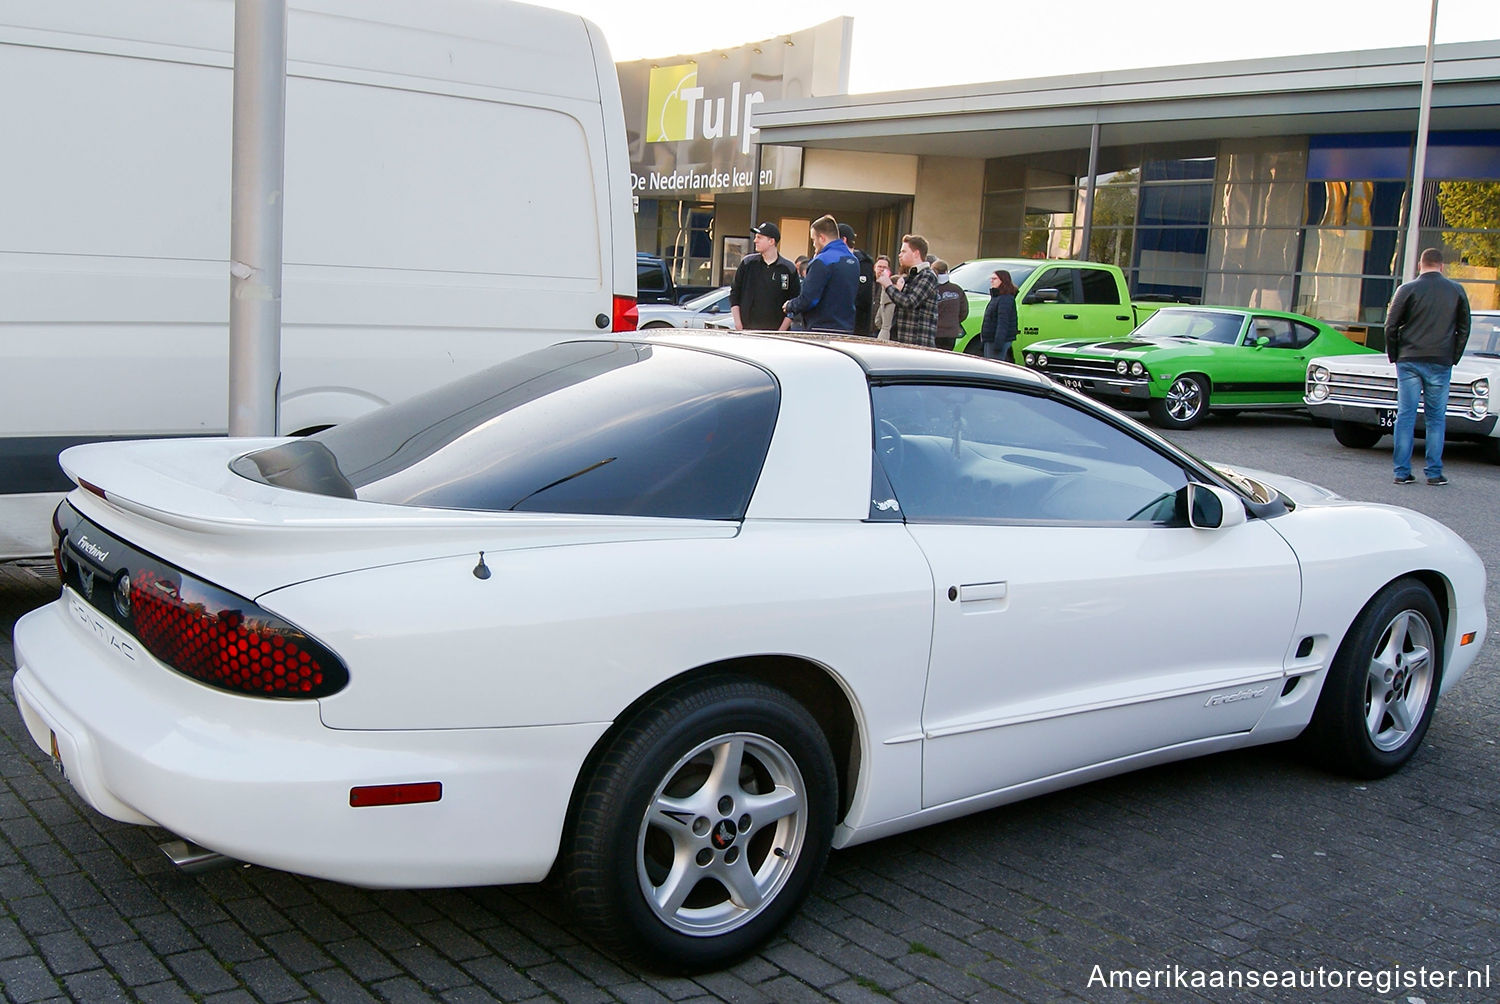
{"points": [[1472, 206]]}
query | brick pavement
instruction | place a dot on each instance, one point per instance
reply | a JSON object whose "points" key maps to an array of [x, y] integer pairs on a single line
{"points": [[1240, 861]]}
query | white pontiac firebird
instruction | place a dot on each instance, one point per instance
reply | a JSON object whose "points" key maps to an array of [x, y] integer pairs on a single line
{"points": [[675, 615]]}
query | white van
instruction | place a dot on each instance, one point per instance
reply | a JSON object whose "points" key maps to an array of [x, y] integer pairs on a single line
{"points": [[456, 192]]}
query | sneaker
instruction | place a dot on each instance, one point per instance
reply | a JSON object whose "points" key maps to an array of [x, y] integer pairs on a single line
{"points": [[1405, 479], [1437, 481]]}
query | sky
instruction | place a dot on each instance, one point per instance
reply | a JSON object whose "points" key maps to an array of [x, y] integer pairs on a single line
{"points": [[899, 46]]}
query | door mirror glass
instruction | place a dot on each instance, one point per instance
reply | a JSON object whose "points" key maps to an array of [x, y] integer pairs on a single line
{"points": [[1211, 508]]}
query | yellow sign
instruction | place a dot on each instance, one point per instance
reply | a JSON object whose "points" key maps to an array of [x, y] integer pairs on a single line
{"points": [[667, 114]]}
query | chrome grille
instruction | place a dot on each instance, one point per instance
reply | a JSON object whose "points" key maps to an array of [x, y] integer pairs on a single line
{"points": [[1087, 368], [1379, 391]]}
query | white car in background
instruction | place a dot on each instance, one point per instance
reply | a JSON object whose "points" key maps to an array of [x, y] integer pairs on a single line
{"points": [[674, 615], [1358, 393], [695, 313]]}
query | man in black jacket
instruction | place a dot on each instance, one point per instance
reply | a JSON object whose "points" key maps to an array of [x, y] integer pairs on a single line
{"points": [[764, 281], [1426, 330], [864, 300]]}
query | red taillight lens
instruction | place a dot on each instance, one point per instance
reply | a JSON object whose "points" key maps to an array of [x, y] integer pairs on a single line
{"points": [[625, 314], [227, 641]]}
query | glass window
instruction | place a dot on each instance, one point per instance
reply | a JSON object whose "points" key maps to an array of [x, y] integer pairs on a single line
{"points": [[965, 454], [1061, 279], [1099, 286], [1253, 249], [1269, 292], [650, 277], [1185, 322], [1004, 209], [1484, 336], [1176, 205], [582, 427], [1364, 155], [1277, 331]]}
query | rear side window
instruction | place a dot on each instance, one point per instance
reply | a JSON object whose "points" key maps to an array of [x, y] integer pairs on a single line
{"points": [[650, 278], [1099, 286], [603, 428]]}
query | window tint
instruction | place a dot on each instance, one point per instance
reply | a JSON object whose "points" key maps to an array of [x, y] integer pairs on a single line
{"points": [[960, 454], [581, 427], [1277, 330], [650, 277], [1099, 286], [1060, 279], [1303, 335]]}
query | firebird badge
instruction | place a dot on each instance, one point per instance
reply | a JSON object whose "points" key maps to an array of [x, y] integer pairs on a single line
{"points": [[1239, 695], [889, 505]]}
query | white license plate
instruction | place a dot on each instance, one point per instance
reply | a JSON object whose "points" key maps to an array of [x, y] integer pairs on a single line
{"points": [[1072, 383], [1386, 419]]}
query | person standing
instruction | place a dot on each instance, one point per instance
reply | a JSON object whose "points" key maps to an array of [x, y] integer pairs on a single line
{"points": [[884, 308], [998, 330], [953, 307], [864, 300], [914, 294], [826, 302], [1426, 330], [763, 282]]}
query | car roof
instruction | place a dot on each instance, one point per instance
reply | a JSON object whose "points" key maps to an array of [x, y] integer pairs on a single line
{"points": [[880, 360]]}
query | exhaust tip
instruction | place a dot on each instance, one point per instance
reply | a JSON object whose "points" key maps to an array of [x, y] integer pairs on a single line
{"points": [[189, 857]]}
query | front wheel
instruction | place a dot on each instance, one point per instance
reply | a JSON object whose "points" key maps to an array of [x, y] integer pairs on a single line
{"points": [[1382, 686], [703, 826], [1356, 436], [1185, 405]]}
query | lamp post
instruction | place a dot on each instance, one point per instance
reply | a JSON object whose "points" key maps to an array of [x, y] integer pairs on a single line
{"points": [[1419, 160]]}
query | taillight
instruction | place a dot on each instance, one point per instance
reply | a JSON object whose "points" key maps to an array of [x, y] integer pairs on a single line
{"points": [[227, 641], [625, 314], [197, 629]]}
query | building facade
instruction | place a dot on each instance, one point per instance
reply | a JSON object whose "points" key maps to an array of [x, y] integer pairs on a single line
{"points": [[1282, 183]]}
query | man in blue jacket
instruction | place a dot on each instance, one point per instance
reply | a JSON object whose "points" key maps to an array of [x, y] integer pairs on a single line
{"points": [[826, 302]]}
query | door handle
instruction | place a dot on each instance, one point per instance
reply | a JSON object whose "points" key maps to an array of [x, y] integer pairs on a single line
{"points": [[981, 592], [1070, 317], [1122, 317]]}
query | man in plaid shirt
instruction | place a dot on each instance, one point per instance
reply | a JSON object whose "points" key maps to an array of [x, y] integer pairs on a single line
{"points": [[915, 295]]}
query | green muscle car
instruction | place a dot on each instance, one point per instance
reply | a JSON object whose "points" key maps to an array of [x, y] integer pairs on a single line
{"points": [[1183, 361]]}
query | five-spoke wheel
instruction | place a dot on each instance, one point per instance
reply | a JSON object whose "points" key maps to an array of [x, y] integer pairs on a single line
{"points": [[1382, 685], [703, 826]]}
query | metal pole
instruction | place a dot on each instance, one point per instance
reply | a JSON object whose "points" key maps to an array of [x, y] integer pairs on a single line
{"points": [[1088, 205], [255, 216], [755, 189], [1419, 161]]}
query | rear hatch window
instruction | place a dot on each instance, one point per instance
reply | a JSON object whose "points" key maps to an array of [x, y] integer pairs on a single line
{"points": [[589, 427]]}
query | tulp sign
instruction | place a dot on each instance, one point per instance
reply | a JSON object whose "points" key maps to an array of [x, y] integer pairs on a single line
{"points": [[690, 119]]}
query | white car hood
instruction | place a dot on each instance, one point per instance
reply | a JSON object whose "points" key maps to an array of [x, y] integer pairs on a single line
{"points": [[1469, 368], [178, 500]]}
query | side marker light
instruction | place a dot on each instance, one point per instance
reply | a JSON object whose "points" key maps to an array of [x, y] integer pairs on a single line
{"points": [[395, 794]]}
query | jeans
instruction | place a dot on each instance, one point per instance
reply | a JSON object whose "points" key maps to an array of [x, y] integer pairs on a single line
{"points": [[1429, 381], [998, 349]]}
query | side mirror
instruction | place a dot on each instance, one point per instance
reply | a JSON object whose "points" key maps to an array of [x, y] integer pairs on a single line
{"points": [[1262, 342], [1212, 508], [1042, 296]]}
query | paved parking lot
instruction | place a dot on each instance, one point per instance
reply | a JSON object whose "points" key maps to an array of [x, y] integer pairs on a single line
{"points": [[1242, 863]]}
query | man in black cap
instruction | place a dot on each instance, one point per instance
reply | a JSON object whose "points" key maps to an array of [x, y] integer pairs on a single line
{"points": [[864, 300], [763, 283]]}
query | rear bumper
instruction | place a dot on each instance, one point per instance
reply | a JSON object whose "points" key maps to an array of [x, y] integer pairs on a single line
{"points": [[266, 782]]}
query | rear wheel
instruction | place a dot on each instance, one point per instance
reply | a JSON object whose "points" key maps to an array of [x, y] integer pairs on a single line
{"points": [[1356, 436], [1185, 405], [703, 826], [1382, 686]]}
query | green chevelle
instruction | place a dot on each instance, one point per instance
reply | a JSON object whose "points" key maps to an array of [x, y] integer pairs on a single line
{"points": [[1183, 361]]}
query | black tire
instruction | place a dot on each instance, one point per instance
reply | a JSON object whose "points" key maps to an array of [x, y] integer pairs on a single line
{"points": [[653, 815], [1186, 403], [1381, 689], [1356, 436]]}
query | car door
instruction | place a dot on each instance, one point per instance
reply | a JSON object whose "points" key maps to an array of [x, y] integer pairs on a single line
{"points": [[1104, 312], [1040, 316], [1272, 373], [1077, 619]]}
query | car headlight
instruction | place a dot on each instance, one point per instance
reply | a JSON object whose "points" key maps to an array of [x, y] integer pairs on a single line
{"points": [[1480, 387], [1122, 367], [1030, 358], [1041, 360], [1318, 392], [1318, 374], [1137, 369], [1480, 407]]}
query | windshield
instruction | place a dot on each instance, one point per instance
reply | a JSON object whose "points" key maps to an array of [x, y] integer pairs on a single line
{"points": [[974, 276], [1484, 337], [707, 300], [1204, 325]]}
